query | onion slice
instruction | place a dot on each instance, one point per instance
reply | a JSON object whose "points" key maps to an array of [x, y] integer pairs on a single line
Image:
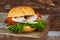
{"points": [[32, 18], [19, 19]]}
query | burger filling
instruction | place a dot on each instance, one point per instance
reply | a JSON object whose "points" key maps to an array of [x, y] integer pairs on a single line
{"points": [[24, 19], [21, 19], [18, 23]]}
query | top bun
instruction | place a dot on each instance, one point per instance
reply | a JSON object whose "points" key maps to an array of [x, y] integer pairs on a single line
{"points": [[21, 11]]}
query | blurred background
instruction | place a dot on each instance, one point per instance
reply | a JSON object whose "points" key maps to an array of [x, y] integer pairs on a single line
{"points": [[51, 7]]}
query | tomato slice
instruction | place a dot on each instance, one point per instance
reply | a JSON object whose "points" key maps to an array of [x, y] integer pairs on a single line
{"points": [[9, 21], [38, 14]]}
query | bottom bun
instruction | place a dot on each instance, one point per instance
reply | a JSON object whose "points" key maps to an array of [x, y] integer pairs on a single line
{"points": [[28, 29]]}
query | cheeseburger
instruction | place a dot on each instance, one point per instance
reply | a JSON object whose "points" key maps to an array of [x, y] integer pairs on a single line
{"points": [[24, 19]]}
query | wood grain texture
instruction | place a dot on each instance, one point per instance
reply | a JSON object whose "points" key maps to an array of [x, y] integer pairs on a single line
{"points": [[53, 38], [55, 22]]}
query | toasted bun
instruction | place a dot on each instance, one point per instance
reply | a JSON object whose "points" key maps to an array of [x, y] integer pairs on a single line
{"points": [[21, 11], [28, 29]]}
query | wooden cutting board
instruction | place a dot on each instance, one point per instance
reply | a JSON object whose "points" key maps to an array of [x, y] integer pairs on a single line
{"points": [[39, 34]]}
